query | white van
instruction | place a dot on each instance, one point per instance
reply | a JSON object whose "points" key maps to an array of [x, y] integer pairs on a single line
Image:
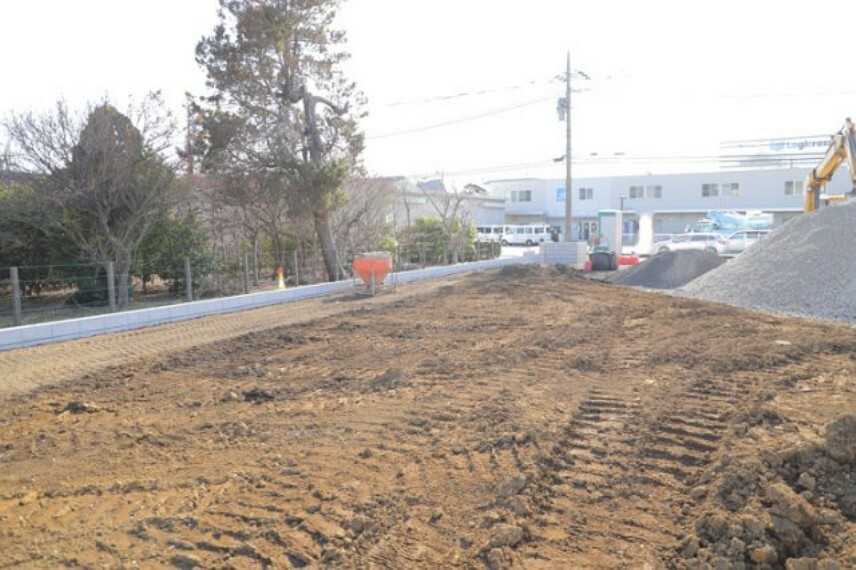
{"points": [[527, 234], [489, 233]]}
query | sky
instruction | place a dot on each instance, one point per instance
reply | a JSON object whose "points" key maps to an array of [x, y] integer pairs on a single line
{"points": [[467, 89]]}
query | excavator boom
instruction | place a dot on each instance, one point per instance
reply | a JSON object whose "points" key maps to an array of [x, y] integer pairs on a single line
{"points": [[841, 149]]}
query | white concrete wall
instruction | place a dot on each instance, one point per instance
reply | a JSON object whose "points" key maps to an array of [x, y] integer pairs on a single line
{"points": [[564, 253], [42, 333]]}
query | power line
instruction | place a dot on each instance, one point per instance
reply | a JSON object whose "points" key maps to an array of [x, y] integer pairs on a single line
{"points": [[807, 155], [773, 95], [748, 159], [771, 140], [473, 93], [499, 168], [610, 160], [461, 119]]}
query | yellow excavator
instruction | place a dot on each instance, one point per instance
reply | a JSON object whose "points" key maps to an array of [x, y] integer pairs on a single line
{"points": [[841, 149]]}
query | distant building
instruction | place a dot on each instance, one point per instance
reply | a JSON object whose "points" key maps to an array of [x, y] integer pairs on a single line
{"points": [[656, 204], [410, 199]]}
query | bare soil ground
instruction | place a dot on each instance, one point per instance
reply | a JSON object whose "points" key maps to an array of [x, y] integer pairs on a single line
{"points": [[513, 419]]}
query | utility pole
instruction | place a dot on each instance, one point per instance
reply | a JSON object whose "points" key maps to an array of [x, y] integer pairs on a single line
{"points": [[568, 189]]}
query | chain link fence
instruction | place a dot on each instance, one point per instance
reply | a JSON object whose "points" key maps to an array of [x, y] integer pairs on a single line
{"points": [[36, 294]]}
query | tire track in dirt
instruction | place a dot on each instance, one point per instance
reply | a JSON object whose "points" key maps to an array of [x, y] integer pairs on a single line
{"points": [[617, 455]]}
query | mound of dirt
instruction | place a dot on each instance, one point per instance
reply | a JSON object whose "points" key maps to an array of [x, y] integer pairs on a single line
{"points": [[670, 270], [806, 267], [841, 438], [786, 508], [520, 270]]}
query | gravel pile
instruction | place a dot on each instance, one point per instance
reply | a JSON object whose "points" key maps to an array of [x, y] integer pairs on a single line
{"points": [[670, 270], [807, 267]]}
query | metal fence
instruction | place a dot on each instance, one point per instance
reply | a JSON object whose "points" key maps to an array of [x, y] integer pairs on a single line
{"points": [[34, 294]]}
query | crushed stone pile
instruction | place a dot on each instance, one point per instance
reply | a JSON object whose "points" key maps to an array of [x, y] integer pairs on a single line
{"points": [[807, 267], [670, 270]]}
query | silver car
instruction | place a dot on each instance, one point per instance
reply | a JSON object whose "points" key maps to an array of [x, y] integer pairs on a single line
{"points": [[740, 240], [701, 241]]}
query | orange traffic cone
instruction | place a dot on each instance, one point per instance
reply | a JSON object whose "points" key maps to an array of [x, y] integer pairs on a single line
{"points": [[280, 281]]}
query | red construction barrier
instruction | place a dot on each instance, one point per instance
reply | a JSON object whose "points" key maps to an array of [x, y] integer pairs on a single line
{"points": [[373, 267]]}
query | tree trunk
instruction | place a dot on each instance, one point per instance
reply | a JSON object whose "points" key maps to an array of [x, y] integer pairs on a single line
{"points": [[279, 253], [324, 231], [323, 228], [123, 268], [255, 259]]}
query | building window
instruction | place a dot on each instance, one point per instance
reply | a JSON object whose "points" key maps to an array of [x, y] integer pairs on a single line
{"points": [[725, 189], [524, 196], [793, 188], [586, 193], [654, 191], [636, 192]]}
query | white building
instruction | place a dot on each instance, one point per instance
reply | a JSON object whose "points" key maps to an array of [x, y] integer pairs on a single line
{"points": [[404, 200], [657, 204]]}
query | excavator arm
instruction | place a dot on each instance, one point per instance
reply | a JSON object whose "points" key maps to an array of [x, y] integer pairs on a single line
{"points": [[841, 149]]}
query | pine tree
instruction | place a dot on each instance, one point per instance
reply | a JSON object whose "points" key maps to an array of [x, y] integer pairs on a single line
{"points": [[281, 109]]}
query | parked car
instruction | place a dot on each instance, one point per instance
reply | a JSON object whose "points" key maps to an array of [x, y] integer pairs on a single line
{"points": [[740, 240], [704, 242]]}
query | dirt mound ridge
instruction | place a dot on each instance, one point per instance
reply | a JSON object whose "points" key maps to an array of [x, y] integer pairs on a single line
{"points": [[806, 267], [519, 270], [671, 269], [791, 507]]}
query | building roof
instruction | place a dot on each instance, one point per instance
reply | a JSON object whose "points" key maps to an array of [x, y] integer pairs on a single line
{"points": [[435, 185]]}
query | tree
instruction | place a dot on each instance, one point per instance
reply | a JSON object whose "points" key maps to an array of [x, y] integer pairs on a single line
{"points": [[98, 181], [280, 108], [365, 220], [22, 241], [176, 233], [453, 218]]}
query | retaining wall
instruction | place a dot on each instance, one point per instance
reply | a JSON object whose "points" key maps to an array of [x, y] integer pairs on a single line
{"points": [[42, 333]]}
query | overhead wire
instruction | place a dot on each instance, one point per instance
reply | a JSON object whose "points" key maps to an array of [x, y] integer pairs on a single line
{"points": [[787, 94], [462, 119], [774, 139], [473, 93], [496, 168], [614, 160], [718, 157]]}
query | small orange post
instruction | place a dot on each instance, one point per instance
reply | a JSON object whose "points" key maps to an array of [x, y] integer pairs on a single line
{"points": [[280, 278]]}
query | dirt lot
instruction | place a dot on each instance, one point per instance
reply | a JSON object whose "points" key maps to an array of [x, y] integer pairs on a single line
{"points": [[519, 418]]}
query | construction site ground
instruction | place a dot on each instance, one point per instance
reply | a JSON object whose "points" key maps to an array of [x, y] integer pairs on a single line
{"points": [[517, 418]]}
